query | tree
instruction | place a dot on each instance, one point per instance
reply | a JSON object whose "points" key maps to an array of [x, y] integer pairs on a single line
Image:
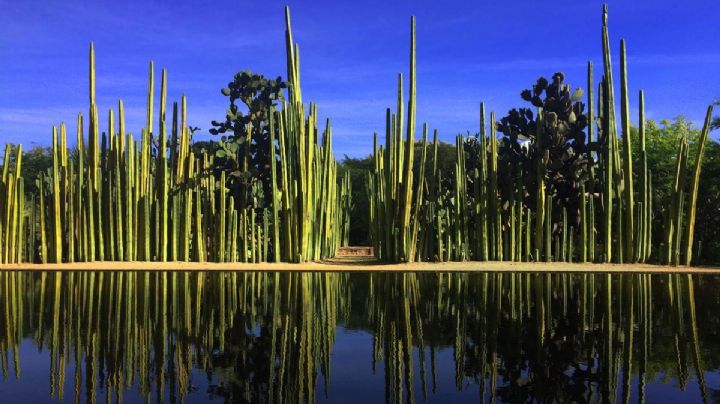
{"points": [[560, 134], [35, 161], [360, 211], [244, 150], [707, 230], [661, 140]]}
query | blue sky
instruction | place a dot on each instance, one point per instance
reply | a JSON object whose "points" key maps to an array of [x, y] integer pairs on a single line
{"points": [[351, 52]]}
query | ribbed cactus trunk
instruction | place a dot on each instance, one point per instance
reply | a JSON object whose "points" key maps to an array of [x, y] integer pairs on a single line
{"points": [[276, 202], [163, 175], [484, 209], [687, 248], [57, 216], [673, 214], [494, 192], [592, 183], [419, 198], [644, 215], [12, 208], [628, 193], [540, 206], [609, 134]]}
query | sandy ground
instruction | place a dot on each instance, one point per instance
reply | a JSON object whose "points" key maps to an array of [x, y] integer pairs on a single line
{"points": [[363, 264]]}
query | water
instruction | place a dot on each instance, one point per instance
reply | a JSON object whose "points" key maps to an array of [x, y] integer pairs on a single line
{"points": [[339, 337]]}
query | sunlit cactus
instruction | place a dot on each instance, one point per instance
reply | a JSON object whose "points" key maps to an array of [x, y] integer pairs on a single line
{"points": [[115, 198]]}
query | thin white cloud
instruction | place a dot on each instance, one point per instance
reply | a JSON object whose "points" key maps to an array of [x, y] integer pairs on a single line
{"points": [[540, 64]]}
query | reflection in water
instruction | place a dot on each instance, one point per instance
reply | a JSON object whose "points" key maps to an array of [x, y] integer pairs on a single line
{"points": [[270, 336]]}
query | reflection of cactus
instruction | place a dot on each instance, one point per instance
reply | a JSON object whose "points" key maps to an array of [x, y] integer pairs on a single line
{"points": [[270, 336], [184, 326], [482, 312]]}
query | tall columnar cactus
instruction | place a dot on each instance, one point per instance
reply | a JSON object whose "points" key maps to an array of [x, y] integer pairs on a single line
{"points": [[644, 215], [592, 183], [609, 132], [483, 207], [628, 194], [690, 227], [12, 207], [392, 183], [308, 177]]}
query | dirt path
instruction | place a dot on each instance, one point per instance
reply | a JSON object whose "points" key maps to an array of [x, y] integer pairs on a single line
{"points": [[363, 264]]}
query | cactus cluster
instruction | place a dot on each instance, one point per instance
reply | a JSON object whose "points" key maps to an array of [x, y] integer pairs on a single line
{"points": [[559, 186], [12, 208], [552, 189], [118, 198]]}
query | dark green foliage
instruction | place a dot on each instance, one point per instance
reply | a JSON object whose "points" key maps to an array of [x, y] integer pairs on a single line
{"points": [[209, 147], [562, 135], [357, 169], [662, 139], [244, 151], [708, 208], [446, 158], [35, 161]]}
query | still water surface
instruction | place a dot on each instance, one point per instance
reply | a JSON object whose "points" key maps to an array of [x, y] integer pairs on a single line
{"points": [[338, 337]]}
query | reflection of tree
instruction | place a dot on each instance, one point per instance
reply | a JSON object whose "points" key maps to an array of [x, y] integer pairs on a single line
{"points": [[282, 341], [268, 336], [393, 304], [538, 338]]}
